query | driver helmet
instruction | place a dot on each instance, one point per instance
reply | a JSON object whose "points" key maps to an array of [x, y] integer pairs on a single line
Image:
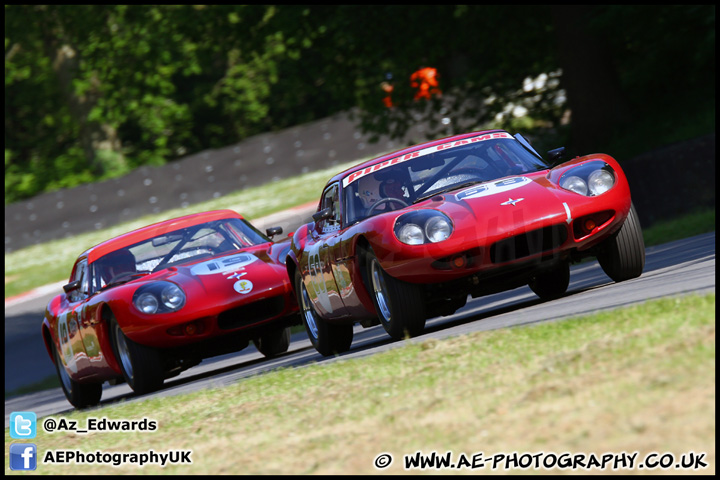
{"points": [[392, 186], [115, 263]]}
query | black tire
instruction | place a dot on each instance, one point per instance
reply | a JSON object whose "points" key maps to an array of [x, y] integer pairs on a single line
{"points": [[551, 283], [400, 306], [142, 367], [273, 342], [622, 256], [327, 338], [80, 395]]}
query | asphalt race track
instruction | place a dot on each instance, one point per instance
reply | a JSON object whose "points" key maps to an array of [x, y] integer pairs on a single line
{"points": [[678, 268]]}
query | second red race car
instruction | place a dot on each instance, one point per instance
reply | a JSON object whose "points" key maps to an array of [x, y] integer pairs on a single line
{"points": [[146, 305], [410, 235]]}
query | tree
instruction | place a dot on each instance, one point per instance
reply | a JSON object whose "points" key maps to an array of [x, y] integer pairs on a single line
{"points": [[92, 91]]}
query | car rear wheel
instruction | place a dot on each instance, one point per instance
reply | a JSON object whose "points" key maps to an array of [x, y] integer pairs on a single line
{"points": [[400, 305], [80, 395], [141, 366], [327, 338], [552, 283], [273, 342], [622, 256]]}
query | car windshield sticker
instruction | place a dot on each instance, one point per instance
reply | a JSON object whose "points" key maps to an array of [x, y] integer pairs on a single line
{"points": [[223, 265], [243, 286], [493, 188], [420, 153]]}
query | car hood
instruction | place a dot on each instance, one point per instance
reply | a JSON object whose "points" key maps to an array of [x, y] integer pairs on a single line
{"points": [[502, 206], [229, 278]]}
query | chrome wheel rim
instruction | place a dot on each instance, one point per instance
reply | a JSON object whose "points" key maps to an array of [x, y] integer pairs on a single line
{"points": [[380, 290], [308, 313], [123, 352]]}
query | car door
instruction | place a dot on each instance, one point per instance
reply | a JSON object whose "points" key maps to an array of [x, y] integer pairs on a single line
{"points": [[69, 323], [322, 251]]}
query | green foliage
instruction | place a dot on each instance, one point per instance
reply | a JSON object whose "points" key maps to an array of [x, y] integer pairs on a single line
{"points": [[93, 91]]}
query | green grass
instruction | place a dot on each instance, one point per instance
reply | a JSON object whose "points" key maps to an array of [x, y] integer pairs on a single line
{"points": [[638, 379], [694, 223]]}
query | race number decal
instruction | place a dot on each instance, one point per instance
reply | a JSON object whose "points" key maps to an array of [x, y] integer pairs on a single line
{"points": [[224, 264], [317, 279], [493, 188], [65, 345]]}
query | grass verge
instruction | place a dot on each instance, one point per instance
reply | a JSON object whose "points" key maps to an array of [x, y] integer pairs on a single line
{"points": [[639, 379]]}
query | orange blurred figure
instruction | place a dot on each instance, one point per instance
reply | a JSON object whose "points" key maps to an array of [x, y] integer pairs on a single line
{"points": [[388, 89], [425, 81]]}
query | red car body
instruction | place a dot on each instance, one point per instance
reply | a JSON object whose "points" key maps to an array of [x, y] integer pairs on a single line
{"points": [[208, 284], [478, 213]]}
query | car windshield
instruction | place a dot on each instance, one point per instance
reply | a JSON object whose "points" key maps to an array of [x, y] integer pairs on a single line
{"points": [[411, 178], [174, 248]]}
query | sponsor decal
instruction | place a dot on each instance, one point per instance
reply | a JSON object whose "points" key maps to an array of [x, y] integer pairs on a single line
{"points": [[493, 188], [243, 286], [421, 153]]}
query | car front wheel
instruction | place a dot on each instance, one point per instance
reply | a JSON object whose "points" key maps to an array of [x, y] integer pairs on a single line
{"points": [[141, 366], [80, 395], [400, 305], [273, 342], [327, 338], [622, 256], [552, 283]]}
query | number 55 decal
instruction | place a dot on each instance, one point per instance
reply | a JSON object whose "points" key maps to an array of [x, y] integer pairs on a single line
{"points": [[317, 279]]}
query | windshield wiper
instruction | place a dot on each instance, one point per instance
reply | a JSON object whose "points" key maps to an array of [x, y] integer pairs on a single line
{"points": [[447, 189], [123, 278]]}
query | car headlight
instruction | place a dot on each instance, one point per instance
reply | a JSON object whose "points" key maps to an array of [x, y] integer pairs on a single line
{"points": [[437, 229], [159, 297], [423, 226], [600, 181], [411, 234], [590, 179], [574, 184]]}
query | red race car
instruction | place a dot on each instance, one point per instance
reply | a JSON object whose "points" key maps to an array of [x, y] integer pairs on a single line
{"points": [[146, 305], [409, 235]]}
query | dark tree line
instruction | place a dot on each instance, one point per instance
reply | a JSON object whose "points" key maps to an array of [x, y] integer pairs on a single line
{"points": [[93, 91]]}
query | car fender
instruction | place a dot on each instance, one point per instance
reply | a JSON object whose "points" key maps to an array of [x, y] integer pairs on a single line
{"points": [[294, 257]]}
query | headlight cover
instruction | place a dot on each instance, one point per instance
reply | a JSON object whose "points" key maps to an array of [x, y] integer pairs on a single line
{"points": [[423, 226], [159, 297], [590, 179]]}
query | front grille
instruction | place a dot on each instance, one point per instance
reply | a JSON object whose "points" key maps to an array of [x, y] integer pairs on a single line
{"points": [[529, 243], [252, 313]]}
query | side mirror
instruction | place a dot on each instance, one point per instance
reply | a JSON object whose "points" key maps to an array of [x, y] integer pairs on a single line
{"points": [[322, 214], [272, 231], [555, 155], [71, 286]]}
